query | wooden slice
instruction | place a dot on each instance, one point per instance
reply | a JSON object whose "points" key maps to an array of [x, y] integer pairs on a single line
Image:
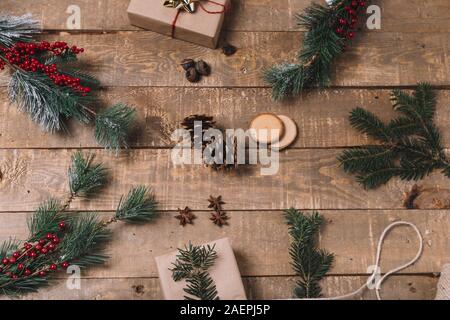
{"points": [[263, 124], [290, 133]]}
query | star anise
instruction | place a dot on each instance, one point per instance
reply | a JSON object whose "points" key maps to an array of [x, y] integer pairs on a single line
{"points": [[215, 203], [411, 196], [219, 218], [185, 216]]}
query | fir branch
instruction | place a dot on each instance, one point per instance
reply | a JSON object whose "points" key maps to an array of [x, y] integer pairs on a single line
{"points": [[328, 28], [138, 206], [45, 220], [411, 144], [17, 29], [112, 126], [47, 104], [310, 264], [84, 241], [192, 264], [84, 177]]}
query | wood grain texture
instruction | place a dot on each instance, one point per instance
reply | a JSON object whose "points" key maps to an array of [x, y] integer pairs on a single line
{"points": [[322, 117], [149, 59], [261, 242], [258, 288], [267, 15], [307, 178]]}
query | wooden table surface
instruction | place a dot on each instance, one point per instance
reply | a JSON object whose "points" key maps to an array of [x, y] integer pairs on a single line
{"points": [[141, 68]]}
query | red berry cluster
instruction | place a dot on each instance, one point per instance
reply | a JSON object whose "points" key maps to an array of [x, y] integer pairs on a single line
{"points": [[25, 56], [348, 21], [17, 265]]}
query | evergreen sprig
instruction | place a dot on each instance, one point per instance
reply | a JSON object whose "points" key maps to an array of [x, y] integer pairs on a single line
{"points": [[325, 39], [192, 264], [410, 145], [310, 263], [17, 29], [84, 176], [112, 126], [138, 206], [51, 105], [76, 238]]}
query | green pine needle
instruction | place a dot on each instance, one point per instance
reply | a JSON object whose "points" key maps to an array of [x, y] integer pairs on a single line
{"points": [[112, 126], [47, 104], [310, 263], [321, 45], [85, 239], [411, 146], [192, 264], [45, 220], [84, 176], [138, 206]]}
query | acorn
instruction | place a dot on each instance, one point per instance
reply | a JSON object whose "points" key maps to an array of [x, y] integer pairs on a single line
{"points": [[187, 63], [192, 75], [203, 68]]}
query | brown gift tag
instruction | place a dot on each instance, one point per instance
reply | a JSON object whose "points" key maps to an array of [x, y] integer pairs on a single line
{"points": [[200, 27], [225, 274]]}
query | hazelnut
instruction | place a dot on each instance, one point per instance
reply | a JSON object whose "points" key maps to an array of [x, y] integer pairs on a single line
{"points": [[192, 75], [203, 68], [187, 63]]}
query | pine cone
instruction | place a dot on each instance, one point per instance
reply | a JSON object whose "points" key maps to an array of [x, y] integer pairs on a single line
{"points": [[207, 123], [223, 155]]}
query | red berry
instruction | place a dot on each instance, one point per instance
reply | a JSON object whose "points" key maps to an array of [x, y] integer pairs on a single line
{"points": [[362, 3], [55, 240], [16, 254], [354, 3], [33, 254], [65, 265], [49, 236], [51, 247], [342, 21], [62, 225], [44, 250], [20, 266], [42, 241], [5, 261], [15, 276], [350, 35], [38, 247], [12, 260], [42, 273], [53, 267], [27, 272]]}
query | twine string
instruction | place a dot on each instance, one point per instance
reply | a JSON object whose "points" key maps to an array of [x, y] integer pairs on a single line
{"points": [[372, 280]]}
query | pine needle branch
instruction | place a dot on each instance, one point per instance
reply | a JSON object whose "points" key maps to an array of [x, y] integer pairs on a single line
{"points": [[138, 206], [17, 29], [192, 264], [84, 176], [112, 126], [310, 263], [411, 146], [328, 28]]}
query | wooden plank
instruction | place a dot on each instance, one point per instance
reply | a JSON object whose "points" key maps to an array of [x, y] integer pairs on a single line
{"points": [[307, 178], [261, 242], [258, 288], [247, 15], [149, 59], [322, 117]]}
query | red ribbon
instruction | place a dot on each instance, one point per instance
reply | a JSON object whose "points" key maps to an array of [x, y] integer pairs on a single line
{"points": [[225, 8]]}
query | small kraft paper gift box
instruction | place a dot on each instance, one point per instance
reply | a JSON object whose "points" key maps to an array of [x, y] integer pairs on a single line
{"points": [[196, 21], [225, 274]]}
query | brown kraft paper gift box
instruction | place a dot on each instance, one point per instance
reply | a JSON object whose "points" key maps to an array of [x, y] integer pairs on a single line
{"points": [[224, 272], [200, 27]]}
